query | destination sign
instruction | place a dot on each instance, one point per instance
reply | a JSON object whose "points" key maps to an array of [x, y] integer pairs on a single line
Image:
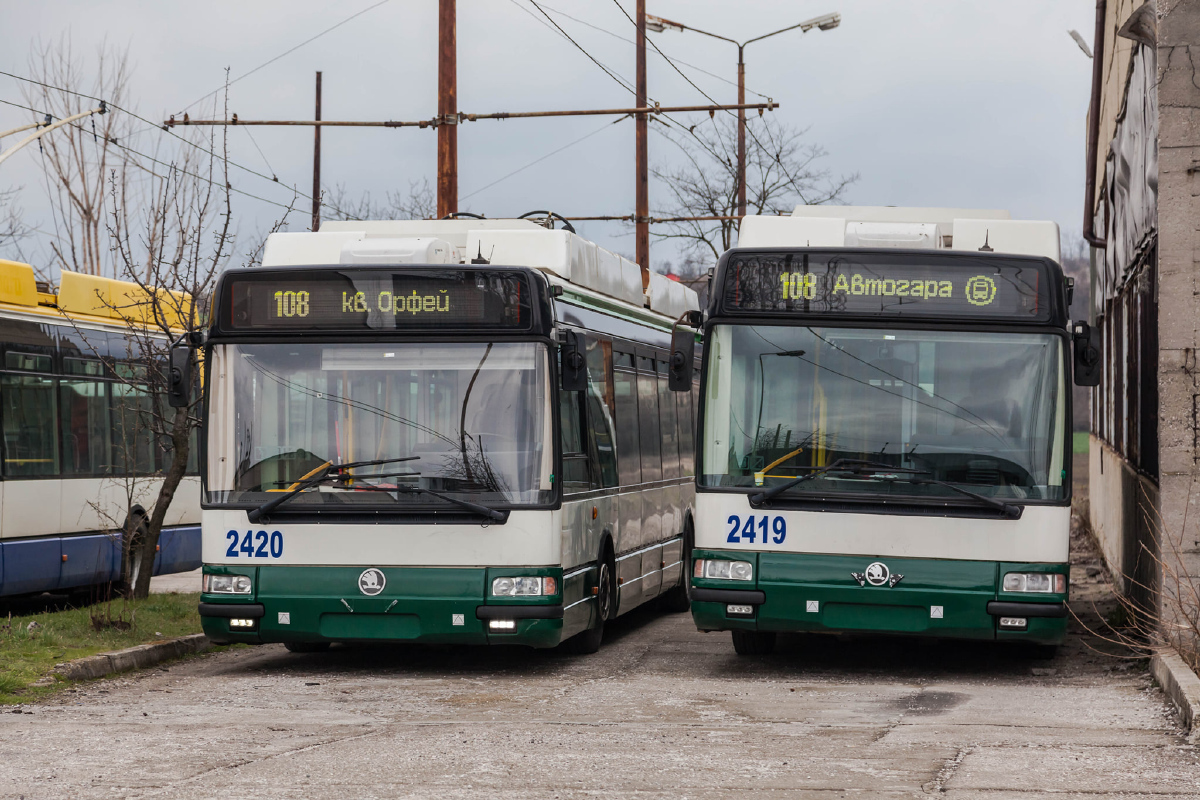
{"points": [[885, 285], [358, 299]]}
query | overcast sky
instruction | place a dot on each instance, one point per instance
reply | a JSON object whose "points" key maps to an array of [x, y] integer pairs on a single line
{"points": [[940, 103]]}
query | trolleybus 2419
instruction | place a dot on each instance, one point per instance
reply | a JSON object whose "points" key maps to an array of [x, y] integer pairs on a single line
{"points": [[885, 428], [402, 446]]}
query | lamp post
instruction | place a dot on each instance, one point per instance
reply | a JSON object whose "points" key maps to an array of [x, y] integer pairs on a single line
{"points": [[824, 23]]}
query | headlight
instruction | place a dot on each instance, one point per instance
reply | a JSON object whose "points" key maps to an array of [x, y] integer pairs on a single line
{"points": [[226, 584], [724, 570], [1035, 582], [524, 587]]}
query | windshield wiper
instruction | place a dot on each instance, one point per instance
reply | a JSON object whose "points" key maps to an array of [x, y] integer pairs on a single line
{"points": [[490, 513], [325, 472], [887, 472], [1010, 510], [852, 466]]}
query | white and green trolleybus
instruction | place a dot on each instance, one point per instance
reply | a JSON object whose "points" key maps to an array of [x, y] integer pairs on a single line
{"points": [[886, 420], [454, 431]]}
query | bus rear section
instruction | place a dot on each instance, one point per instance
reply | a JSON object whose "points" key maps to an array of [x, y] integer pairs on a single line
{"points": [[884, 442]]}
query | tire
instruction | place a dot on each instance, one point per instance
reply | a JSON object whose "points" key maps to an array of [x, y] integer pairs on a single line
{"points": [[753, 643], [589, 641], [131, 556], [306, 647], [679, 598]]}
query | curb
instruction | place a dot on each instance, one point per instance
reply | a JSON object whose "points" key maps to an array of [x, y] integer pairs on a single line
{"points": [[139, 657], [1182, 686]]}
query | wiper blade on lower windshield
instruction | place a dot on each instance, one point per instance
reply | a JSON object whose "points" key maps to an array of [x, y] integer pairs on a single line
{"points": [[325, 472], [1010, 510], [490, 513], [853, 466]]}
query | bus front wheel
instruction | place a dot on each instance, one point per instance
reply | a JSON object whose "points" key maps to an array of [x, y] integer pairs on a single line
{"points": [[753, 643], [589, 641]]}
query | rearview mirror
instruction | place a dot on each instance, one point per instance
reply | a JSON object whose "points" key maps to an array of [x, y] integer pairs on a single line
{"points": [[179, 377], [1088, 364], [574, 364], [683, 353]]}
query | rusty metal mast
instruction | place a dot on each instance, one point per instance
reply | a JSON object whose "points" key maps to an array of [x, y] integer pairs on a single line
{"points": [[316, 192], [641, 156], [447, 132]]}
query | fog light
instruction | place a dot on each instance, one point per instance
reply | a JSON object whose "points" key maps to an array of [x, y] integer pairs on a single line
{"points": [[1017, 623], [502, 625], [739, 611], [241, 623]]}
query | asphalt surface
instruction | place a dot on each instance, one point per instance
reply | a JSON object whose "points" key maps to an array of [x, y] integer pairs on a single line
{"points": [[661, 711]]}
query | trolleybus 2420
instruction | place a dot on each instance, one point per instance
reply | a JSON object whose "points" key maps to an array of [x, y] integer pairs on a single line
{"points": [[886, 421], [402, 446]]}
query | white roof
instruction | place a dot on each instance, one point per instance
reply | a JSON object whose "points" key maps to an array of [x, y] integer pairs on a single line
{"points": [[518, 243], [884, 226]]}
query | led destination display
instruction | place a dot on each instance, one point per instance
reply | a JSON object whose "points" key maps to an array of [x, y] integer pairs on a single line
{"points": [[883, 285], [350, 300]]}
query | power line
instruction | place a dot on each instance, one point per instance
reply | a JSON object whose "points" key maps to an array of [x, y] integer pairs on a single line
{"points": [[630, 41], [140, 154], [757, 141], [623, 83], [157, 126], [281, 55], [603, 127]]}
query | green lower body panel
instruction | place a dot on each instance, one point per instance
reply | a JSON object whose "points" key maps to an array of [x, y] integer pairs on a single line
{"points": [[432, 605], [922, 597]]}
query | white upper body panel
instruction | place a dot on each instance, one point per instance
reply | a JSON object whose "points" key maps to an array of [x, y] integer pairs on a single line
{"points": [[969, 230]]}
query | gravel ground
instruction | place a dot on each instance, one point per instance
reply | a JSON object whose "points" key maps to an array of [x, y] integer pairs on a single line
{"points": [[661, 711]]}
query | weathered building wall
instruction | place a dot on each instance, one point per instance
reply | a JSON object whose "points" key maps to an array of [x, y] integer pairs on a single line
{"points": [[1178, 51]]}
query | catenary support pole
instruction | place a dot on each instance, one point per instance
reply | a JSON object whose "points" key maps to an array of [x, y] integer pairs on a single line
{"points": [[447, 132], [316, 192], [641, 155], [741, 133]]}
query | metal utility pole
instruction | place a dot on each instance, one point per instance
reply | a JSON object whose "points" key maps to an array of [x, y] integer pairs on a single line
{"points": [[447, 129], [642, 197], [316, 193], [741, 133]]}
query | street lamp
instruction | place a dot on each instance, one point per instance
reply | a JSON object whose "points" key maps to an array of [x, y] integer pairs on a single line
{"points": [[825, 22]]}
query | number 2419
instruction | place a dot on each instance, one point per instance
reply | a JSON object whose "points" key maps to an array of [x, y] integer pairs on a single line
{"points": [[762, 529]]}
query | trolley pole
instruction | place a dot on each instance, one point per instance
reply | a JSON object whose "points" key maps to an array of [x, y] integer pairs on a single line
{"points": [[642, 197], [316, 193], [447, 129]]}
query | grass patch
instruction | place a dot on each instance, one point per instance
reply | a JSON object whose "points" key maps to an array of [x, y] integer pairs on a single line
{"points": [[31, 645], [1079, 442]]}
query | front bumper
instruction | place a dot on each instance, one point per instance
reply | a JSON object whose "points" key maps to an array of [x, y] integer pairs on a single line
{"points": [[797, 592], [418, 604]]}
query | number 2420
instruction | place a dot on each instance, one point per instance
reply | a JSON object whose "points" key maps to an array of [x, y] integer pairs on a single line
{"points": [[756, 529]]}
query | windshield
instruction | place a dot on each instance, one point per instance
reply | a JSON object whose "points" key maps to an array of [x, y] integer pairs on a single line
{"points": [[985, 411], [474, 414]]}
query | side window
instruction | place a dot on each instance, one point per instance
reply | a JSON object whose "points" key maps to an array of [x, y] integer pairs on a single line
{"points": [[667, 421], [576, 472], [687, 436], [133, 441], [85, 425], [648, 427], [30, 426], [600, 412], [629, 464]]}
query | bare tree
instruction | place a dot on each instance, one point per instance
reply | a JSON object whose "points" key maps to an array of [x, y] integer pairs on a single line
{"points": [[12, 224], [81, 160], [782, 171], [173, 248], [419, 203]]}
